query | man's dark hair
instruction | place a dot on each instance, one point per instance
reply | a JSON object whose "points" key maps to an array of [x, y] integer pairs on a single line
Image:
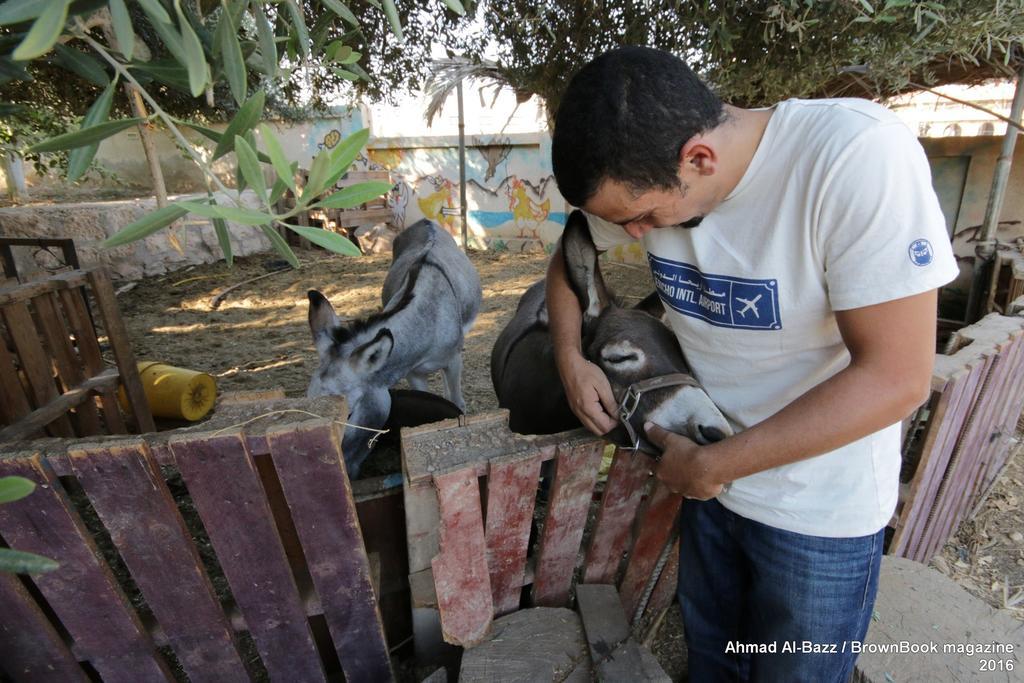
{"points": [[625, 116]]}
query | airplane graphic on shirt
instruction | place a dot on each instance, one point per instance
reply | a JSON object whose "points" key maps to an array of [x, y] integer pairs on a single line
{"points": [[749, 305]]}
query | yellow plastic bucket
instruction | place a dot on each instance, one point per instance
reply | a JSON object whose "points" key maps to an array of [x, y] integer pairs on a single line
{"points": [[177, 392]]}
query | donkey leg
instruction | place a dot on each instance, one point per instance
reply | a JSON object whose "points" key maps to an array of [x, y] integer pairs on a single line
{"points": [[452, 374], [418, 381]]}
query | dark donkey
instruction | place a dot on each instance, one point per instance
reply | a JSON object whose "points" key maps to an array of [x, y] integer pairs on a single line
{"points": [[639, 354], [431, 297]]}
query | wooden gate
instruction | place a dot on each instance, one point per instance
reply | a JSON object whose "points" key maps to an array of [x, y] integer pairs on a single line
{"points": [[233, 554], [475, 493]]}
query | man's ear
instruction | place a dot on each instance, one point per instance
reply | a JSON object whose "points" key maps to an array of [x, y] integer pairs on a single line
{"points": [[371, 356], [698, 156]]}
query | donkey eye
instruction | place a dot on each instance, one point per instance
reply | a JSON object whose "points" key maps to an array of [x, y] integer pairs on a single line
{"points": [[624, 358]]}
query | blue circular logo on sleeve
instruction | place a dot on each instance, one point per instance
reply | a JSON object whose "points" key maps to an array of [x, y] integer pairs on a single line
{"points": [[921, 253]]}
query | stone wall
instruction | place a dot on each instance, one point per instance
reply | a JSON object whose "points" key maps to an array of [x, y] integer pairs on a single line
{"points": [[91, 223]]}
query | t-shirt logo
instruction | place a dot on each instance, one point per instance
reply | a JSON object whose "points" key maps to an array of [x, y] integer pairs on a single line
{"points": [[921, 253], [721, 300]]}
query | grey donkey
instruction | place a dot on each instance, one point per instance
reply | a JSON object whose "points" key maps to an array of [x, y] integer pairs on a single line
{"points": [[430, 299]]}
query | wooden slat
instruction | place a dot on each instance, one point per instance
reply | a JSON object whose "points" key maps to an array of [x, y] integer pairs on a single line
{"points": [[665, 589], [511, 492], [117, 335], [224, 484], [30, 290], [629, 472], [34, 362], [1013, 403], [13, 403], [613, 652], [575, 474], [138, 511], [77, 312], [69, 367], [82, 592], [30, 648], [656, 525], [79, 396], [461, 577], [311, 469]]}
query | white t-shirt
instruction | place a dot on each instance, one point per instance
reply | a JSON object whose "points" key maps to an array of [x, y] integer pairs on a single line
{"points": [[836, 211]]}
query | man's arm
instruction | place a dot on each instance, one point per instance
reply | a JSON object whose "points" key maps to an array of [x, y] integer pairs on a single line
{"points": [[590, 396], [892, 350]]}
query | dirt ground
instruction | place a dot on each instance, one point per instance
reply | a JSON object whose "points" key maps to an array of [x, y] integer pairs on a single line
{"points": [[257, 338]]}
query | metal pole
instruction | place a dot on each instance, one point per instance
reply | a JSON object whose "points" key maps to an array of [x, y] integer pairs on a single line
{"points": [[985, 250], [462, 169]]}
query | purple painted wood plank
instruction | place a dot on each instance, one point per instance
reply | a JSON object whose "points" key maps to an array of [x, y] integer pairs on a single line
{"points": [[1013, 403], [225, 486], [82, 592], [576, 466], [30, 648], [622, 495], [656, 523], [138, 511], [461, 578], [511, 492], [311, 470]]}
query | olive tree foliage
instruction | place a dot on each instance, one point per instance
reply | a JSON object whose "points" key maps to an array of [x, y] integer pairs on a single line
{"points": [[187, 59], [757, 53]]}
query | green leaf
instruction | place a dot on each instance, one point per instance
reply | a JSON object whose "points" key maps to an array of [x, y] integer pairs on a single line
{"points": [[342, 11], [195, 57], [44, 32], [265, 34], [345, 153], [347, 75], [18, 562], [280, 246], [277, 157], [232, 213], [247, 117], [456, 6], [251, 169], [156, 11], [352, 58], [221, 228], [80, 138], [234, 62], [82, 64], [12, 70], [392, 14], [19, 11], [328, 240], [319, 172], [80, 157], [167, 71], [867, 6], [277, 191], [15, 488], [299, 23], [123, 30], [354, 195], [145, 226], [358, 70]]}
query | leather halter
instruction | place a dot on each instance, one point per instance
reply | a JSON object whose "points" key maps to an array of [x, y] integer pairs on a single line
{"points": [[631, 400]]}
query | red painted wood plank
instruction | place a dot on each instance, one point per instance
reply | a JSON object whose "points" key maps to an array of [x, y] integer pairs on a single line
{"points": [[622, 494], [1013, 403], [225, 486], [311, 470], [30, 648], [83, 592], [576, 466], [511, 492], [665, 589], [461, 577], [132, 501], [656, 525]]}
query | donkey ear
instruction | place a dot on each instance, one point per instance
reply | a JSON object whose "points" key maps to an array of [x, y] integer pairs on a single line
{"points": [[372, 355], [652, 305], [581, 267], [322, 320]]}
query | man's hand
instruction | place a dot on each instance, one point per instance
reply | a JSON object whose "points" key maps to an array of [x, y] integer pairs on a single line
{"points": [[684, 466], [589, 393]]}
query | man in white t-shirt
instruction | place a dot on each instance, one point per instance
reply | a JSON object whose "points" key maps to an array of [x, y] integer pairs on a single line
{"points": [[797, 250]]}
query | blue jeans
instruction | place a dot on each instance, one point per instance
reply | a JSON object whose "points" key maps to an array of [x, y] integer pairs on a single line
{"points": [[747, 589]]}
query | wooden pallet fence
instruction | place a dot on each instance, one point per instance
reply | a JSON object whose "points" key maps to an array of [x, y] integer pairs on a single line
{"points": [[343, 221], [68, 258], [956, 456], [175, 565], [473, 489], [53, 378]]}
